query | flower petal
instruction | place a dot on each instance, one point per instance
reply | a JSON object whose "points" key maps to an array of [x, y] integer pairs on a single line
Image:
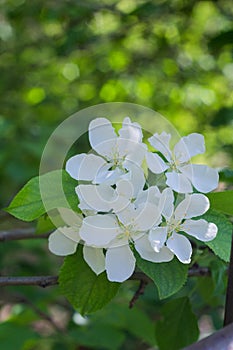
{"points": [[133, 152], [151, 195], [95, 197], [71, 233], [144, 248], [95, 258], [60, 244], [178, 182], [166, 203], [200, 229], [193, 205], [131, 131], [146, 216], [99, 230], [124, 192], [155, 163], [70, 217], [189, 146], [181, 247], [203, 178], [161, 143], [120, 263], [108, 177], [136, 177], [157, 238], [84, 166], [102, 136]]}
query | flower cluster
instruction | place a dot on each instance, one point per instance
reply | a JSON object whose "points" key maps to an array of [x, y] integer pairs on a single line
{"points": [[123, 212]]}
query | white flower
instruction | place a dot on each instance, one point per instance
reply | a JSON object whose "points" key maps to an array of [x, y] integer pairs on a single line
{"points": [[179, 173], [104, 198], [116, 232], [179, 220], [116, 153]]}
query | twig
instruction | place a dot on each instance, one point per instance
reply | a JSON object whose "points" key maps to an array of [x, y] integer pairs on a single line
{"points": [[45, 281], [21, 234], [140, 291], [41, 281]]}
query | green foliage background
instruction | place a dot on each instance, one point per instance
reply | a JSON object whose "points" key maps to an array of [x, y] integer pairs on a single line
{"points": [[57, 57]]}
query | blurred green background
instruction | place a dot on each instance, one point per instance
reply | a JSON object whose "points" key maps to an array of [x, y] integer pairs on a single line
{"points": [[57, 57]]}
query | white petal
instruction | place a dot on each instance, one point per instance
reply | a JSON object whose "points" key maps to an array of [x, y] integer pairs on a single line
{"points": [[127, 215], [136, 177], [146, 216], [99, 230], [181, 247], [124, 188], [166, 203], [95, 258], [178, 182], [189, 146], [108, 177], [102, 136], [124, 192], [151, 195], [203, 178], [144, 248], [96, 197], [200, 229], [60, 244], [161, 143], [157, 238], [132, 151], [155, 163], [120, 263], [193, 205], [84, 166], [71, 233], [70, 217], [131, 131]]}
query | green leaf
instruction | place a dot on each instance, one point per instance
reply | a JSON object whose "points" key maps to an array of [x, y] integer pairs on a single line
{"points": [[221, 201], [29, 204], [219, 276], [221, 245], [86, 291], [168, 277], [178, 328], [135, 321]]}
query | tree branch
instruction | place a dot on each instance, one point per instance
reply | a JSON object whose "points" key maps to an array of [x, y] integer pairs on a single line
{"points": [[45, 281], [19, 234], [41, 281]]}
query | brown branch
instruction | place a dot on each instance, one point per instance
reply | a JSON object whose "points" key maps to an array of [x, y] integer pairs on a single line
{"points": [[41, 281], [140, 291], [21, 234], [45, 281]]}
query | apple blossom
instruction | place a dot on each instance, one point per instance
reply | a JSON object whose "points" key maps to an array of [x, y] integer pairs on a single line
{"points": [[179, 173], [116, 153], [169, 233], [115, 233]]}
